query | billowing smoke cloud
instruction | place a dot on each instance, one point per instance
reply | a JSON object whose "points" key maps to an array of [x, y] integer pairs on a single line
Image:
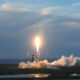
{"points": [[67, 61], [40, 64], [63, 61]]}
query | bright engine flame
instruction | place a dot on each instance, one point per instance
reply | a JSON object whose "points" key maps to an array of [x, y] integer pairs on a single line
{"points": [[37, 43]]}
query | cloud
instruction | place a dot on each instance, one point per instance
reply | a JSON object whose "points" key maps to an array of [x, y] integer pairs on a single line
{"points": [[75, 16], [47, 11], [13, 7], [72, 24], [76, 4]]}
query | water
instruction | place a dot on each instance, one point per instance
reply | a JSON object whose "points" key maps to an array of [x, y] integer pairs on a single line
{"points": [[30, 76], [26, 76]]}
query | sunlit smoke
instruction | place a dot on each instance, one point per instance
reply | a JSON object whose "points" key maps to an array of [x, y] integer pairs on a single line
{"points": [[37, 43], [63, 61]]}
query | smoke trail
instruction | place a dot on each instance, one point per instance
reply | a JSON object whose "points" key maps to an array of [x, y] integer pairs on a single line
{"points": [[63, 61]]}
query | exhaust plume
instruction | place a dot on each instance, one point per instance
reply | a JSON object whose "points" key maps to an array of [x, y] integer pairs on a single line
{"points": [[37, 43]]}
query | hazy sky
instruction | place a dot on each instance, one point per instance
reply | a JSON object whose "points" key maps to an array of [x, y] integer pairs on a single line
{"points": [[58, 22]]}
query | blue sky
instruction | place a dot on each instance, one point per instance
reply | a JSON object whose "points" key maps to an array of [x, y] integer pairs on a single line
{"points": [[58, 22]]}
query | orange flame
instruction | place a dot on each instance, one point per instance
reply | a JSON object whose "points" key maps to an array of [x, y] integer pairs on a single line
{"points": [[37, 43]]}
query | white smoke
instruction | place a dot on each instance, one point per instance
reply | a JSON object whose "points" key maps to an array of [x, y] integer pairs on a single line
{"points": [[63, 61], [40, 64], [67, 61]]}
